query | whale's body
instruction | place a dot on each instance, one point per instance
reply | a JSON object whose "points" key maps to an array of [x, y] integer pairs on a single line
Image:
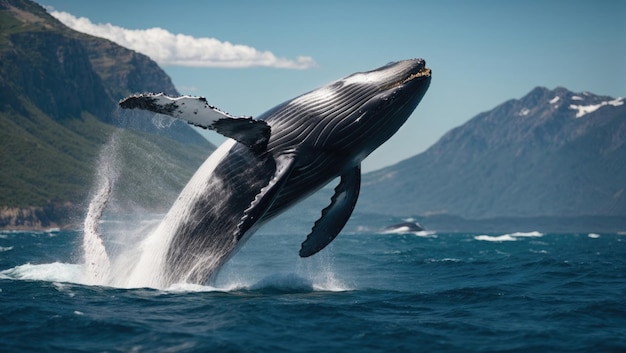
{"points": [[277, 160]]}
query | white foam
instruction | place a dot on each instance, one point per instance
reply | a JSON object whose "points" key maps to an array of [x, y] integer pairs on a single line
{"points": [[5, 248], [446, 259], [593, 235], [509, 236], [426, 233], [399, 230], [327, 282], [500, 238], [316, 273], [527, 234], [53, 272], [287, 282], [189, 287]]}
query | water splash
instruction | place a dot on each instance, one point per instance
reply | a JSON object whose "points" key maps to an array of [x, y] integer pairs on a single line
{"points": [[134, 253], [150, 268], [97, 263]]}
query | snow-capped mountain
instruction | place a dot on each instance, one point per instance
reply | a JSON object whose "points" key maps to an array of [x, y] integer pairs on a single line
{"points": [[552, 153]]}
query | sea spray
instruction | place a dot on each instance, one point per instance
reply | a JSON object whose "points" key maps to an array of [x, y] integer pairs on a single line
{"points": [[321, 272], [150, 269], [96, 260], [136, 253]]}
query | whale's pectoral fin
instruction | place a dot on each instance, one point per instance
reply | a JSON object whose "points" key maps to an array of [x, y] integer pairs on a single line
{"points": [[264, 199], [335, 216], [252, 133], [196, 111]]}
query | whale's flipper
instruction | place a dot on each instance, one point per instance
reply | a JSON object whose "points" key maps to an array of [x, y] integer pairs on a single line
{"points": [[196, 111], [264, 199], [252, 133], [335, 216]]}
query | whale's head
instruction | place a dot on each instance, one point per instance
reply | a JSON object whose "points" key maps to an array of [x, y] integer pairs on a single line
{"points": [[356, 114], [381, 101]]}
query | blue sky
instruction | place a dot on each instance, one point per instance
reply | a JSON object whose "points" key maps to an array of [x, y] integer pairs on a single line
{"points": [[482, 53]]}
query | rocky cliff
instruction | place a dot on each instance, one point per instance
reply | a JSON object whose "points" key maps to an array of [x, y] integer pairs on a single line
{"points": [[58, 107]]}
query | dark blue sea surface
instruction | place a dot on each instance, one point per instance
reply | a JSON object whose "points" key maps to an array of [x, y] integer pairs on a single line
{"points": [[368, 292]]}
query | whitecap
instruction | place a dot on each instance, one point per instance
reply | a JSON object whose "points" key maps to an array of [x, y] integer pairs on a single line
{"points": [[426, 233], [526, 234], [505, 237], [446, 259], [593, 235], [190, 287], [53, 272], [5, 248]]}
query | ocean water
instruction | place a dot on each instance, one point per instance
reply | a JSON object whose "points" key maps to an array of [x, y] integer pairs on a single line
{"points": [[367, 292]]}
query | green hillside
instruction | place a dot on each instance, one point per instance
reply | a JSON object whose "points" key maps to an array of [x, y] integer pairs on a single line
{"points": [[58, 107]]}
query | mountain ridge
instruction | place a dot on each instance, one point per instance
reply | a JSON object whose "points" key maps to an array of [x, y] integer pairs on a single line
{"points": [[58, 107], [550, 153]]}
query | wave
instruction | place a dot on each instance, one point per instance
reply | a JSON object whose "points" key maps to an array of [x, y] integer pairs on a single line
{"points": [[505, 237], [509, 236], [445, 259], [53, 272], [527, 234], [6, 233], [59, 272], [275, 283]]}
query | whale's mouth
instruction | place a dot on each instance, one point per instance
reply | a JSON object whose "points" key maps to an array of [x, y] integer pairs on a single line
{"points": [[422, 72]]}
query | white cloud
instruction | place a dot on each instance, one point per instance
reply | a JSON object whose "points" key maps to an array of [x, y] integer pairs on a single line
{"points": [[182, 50]]}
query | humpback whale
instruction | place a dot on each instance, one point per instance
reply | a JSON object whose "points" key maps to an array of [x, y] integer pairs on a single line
{"points": [[277, 159]]}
